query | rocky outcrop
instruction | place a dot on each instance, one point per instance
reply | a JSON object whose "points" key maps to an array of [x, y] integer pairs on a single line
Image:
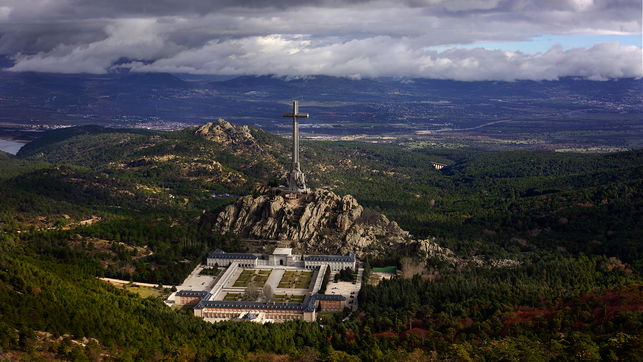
{"points": [[318, 221], [234, 138], [239, 140], [429, 248], [322, 222]]}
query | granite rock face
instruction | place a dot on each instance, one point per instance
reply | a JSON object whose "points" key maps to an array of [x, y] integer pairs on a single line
{"points": [[319, 221], [233, 137]]}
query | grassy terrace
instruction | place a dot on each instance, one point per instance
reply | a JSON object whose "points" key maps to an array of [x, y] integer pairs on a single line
{"points": [[259, 277], [233, 297], [298, 279], [285, 298]]}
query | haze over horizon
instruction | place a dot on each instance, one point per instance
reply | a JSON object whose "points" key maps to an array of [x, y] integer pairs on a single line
{"points": [[460, 40]]}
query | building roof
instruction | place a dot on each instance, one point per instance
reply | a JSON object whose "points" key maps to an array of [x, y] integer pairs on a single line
{"points": [[192, 293], [248, 305], [220, 254], [282, 251], [337, 258], [337, 297], [310, 305]]}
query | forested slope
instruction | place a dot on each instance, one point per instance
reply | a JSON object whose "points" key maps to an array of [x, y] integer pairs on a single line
{"points": [[87, 202], [556, 307], [482, 202]]}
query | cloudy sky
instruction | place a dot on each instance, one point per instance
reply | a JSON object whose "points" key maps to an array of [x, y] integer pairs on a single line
{"points": [[446, 39]]}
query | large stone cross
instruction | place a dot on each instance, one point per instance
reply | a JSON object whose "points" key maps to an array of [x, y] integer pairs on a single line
{"points": [[296, 178]]}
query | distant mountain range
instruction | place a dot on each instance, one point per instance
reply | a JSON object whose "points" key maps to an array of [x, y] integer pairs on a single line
{"points": [[340, 106]]}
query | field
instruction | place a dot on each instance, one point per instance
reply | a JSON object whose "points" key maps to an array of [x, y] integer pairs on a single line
{"points": [[295, 279], [259, 277], [285, 298], [143, 292]]}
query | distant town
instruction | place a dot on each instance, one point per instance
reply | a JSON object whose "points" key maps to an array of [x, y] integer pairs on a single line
{"points": [[565, 115]]}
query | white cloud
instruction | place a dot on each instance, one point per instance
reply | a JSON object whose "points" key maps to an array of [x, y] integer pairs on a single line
{"points": [[5, 11], [346, 38], [126, 38], [386, 56]]}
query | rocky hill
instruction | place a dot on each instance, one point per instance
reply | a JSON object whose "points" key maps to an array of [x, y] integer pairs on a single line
{"points": [[317, 222], [244, 142], [238, 139], [482, 204]]}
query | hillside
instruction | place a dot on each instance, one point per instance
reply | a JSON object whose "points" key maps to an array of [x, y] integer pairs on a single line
{"points": [[481, 203], [140, 205], [66, 307]]}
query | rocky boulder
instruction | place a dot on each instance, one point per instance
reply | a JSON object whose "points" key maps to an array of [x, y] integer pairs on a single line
{"points": [[234, 138], [316, 222]]}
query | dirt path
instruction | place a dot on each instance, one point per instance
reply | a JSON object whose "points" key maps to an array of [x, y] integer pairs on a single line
{"points": [[121, 281]]}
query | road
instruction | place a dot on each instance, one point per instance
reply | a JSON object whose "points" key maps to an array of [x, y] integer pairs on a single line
{"points": [[471, 128]]}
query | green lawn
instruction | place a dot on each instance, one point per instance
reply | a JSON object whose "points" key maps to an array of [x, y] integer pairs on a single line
{"points": [[385, 269], [259, 277], [144, 292], [285, 298], [299, 279]]}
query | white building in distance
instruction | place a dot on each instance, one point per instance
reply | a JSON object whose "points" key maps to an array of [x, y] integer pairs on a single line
{"points": [[221, 258]]}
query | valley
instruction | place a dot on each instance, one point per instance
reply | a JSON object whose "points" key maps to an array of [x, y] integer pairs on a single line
{"points": [[568, 114]]}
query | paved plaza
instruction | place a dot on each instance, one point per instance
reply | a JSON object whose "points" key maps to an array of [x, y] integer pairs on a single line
{"points": [[347, 289], [196, 281]]}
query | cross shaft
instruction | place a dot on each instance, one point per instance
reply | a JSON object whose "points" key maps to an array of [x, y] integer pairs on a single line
{"points": [[296, 178], [295, 115]]}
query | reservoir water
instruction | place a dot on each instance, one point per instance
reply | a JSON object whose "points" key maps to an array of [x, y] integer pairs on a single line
{"points": [[11, 147]]}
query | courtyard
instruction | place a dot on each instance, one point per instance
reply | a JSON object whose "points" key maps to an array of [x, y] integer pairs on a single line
{"points": [[282, 286], [256, 276], [295, 279]]}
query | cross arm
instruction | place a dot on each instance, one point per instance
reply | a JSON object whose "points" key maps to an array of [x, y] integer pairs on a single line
{"points": [[298, 115]]}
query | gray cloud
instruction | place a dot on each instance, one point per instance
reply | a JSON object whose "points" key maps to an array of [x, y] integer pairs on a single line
{"points": [[347, 38], [34, 38], [385, 56]]}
